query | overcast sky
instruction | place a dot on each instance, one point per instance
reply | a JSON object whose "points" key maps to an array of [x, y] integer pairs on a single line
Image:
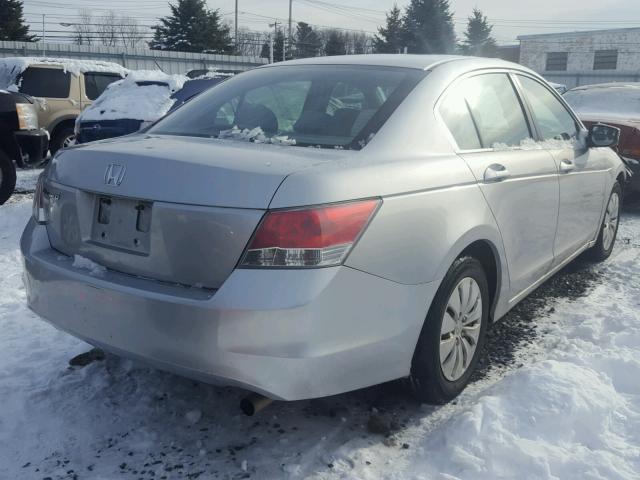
{"points": [[511, 17]]}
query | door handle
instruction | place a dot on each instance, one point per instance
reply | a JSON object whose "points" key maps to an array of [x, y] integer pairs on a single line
{"points": [[495, 173], [567, 166]]}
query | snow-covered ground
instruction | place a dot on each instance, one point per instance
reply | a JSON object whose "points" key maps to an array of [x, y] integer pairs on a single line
{"points": [[560, 398]]}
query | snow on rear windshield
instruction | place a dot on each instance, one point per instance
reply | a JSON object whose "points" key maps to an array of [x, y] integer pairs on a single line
{"points": [[312, 105], [611, 102]]}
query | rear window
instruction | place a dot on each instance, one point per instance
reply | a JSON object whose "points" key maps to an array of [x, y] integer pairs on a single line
{"points": [[311, 105], [96, 83], [45, 82]]}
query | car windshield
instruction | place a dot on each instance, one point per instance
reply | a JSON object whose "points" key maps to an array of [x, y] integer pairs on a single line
{"points": [[609, 102], [327, 106]]}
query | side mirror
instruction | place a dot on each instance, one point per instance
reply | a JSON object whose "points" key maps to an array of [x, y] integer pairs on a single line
{"points": [[601, 135]]}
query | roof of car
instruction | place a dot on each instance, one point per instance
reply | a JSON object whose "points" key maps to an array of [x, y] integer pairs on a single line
{"points": [[421, 62]]}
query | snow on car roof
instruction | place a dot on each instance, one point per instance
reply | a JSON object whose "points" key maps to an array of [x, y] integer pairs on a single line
{"points": [[608, 85], [128, 99], [11, 67]]}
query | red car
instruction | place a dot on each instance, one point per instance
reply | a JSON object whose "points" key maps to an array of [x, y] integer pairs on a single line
{"points": [[616, 104]]}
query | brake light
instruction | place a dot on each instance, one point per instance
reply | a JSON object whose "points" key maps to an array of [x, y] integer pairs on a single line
{"points": [[309, 237]]}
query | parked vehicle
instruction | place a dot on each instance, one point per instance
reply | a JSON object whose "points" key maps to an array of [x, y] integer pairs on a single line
{"points": [[22, 142], [64, 88], [616, 104], [136, 102], [438, 192]]}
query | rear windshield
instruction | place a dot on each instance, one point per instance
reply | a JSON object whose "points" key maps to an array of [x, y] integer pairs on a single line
{"points": [[611, 102], [328, 106]]}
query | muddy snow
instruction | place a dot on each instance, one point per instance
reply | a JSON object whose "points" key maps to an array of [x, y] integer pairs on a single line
{"points": [[558, 396]]}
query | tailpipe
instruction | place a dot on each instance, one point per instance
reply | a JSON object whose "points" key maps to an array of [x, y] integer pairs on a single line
{"points": [[252, 404]]}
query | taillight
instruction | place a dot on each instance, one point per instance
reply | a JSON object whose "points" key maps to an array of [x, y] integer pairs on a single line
{"points": [[40, 202], [308, 237]]}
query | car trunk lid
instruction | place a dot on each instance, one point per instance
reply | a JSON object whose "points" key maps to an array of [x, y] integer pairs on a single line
{"points": [[171, 209]]}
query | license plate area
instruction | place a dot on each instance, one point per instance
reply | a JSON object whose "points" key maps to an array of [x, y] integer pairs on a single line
{"points": [[122, 223]]}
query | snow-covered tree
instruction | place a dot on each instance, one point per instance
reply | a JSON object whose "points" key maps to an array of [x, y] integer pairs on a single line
{"points": [[12, 25], [389, 37], [428, 27], [477, 37], [191, 27]]}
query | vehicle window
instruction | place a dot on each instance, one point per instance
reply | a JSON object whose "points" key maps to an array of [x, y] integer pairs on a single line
{"points": [[552, 118], [284, 99], [456, 115], [96, 83], [45, 82], [496, 110], [311, 105]]}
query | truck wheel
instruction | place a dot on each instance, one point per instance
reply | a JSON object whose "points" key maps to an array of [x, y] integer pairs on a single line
{"points": [[63, 137], [7, 177], [453, 334]]}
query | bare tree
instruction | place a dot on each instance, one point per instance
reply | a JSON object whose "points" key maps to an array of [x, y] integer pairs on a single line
{"points": [[250, 42], [83, 30], [110, 29]]}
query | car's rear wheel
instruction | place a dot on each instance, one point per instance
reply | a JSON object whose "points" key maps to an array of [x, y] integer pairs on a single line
{"points": [[609, 228], [62, 138], [453, 334], [7, 177]]}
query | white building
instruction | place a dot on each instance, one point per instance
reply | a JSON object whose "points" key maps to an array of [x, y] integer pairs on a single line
{"points": [[581, 58]]}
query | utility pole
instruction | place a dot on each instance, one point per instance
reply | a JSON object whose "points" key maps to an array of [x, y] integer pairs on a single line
{"points": [[43, 37], [236, 27], [270, 49], [271, 39], [290, 33]]}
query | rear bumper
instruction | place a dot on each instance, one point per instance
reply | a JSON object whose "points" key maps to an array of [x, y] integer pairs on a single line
{"points": [[288, 334]]}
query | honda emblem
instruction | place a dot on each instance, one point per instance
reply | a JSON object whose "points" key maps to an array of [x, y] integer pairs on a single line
{"points": [[114, 174]]}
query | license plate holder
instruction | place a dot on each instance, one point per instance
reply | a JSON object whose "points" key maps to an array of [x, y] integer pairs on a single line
{"points": [[122, 223]]}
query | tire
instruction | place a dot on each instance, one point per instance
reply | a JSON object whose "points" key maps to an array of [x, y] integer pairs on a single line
{"points": [[59, 138], [7, 177], [431, 380], [609, 228]]}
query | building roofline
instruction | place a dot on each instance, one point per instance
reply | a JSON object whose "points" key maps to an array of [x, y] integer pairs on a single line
{"points": [[577, 33]]}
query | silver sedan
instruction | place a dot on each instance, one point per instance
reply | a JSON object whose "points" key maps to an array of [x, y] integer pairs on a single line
{"points": [[322, 225]]}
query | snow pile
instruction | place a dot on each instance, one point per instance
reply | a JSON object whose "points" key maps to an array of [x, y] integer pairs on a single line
{"points": [[255, 135], [531, 144], [11, 67], [95, 269], [127, 99]]}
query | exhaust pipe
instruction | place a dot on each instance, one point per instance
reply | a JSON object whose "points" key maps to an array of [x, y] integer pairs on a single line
{"points": [[254, 403]]}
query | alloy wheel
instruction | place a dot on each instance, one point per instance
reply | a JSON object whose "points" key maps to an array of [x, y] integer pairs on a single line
{"points": [[611, 221], [460, 329]]}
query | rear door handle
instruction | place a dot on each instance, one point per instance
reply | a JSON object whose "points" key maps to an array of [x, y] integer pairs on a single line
{"points": [[567, 166], [495, 173]]}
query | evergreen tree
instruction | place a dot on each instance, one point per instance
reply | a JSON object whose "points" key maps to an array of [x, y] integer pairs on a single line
{"points": [[389, 38], [428, 27], [278, 45], [191, 27], [335, 44], [477, 38], [307, 41], [12, 25]]}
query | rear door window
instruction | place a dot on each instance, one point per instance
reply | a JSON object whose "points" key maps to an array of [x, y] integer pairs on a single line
{"points": [[454, 110], [45, 82], [496, 110], [96, 83], [551, 116]]}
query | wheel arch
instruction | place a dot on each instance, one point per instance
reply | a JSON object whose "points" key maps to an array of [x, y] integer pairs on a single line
{"points": [[485, 245]]}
